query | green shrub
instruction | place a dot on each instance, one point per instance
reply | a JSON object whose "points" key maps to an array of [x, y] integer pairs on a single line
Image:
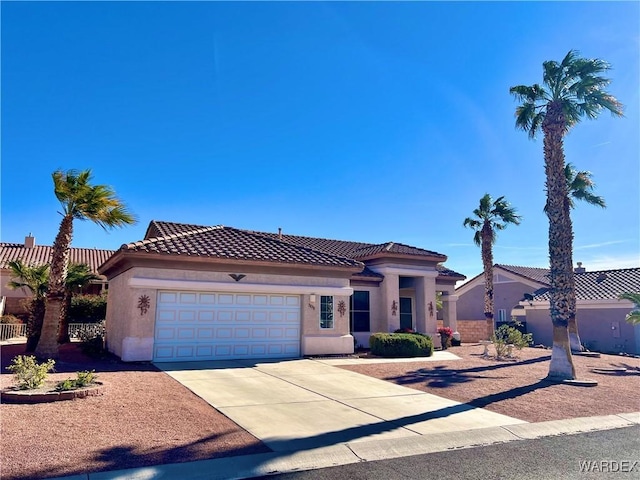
{"points": [[29, 374], [87, 309], [83, 379], [401, 345], [505, 336], [92, 341]]}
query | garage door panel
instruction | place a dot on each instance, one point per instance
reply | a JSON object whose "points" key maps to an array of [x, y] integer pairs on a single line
{"points": [[203, 325]]}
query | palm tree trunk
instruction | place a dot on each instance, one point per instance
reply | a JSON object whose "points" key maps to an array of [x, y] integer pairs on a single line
{"points": [[63, 331], [48, 344], [574, 337], [560, 244], [487, 263]]}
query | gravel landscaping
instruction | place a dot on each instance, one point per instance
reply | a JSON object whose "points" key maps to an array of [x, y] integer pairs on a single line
{"points": [[144, 417], [517, 387]]}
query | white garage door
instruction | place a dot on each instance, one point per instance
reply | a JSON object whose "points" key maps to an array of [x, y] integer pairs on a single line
{"points": [[224, 326]]}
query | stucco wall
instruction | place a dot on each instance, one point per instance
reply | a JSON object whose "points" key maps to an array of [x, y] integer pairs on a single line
{"points": [[595, 327], [505, 296], [130, 332]]}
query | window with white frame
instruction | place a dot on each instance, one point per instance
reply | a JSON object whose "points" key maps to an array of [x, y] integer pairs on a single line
{"points": [[326, 311], [502, 315]]}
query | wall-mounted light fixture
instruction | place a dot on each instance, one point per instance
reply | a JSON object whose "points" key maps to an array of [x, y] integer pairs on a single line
{"points": [[312, 301]]}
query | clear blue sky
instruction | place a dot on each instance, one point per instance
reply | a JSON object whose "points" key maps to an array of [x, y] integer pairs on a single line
{"points": [[363, 121]]}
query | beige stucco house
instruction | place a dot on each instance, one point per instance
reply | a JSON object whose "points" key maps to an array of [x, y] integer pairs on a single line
{"points": [[522, 294], [12, 300], [190, 292]]}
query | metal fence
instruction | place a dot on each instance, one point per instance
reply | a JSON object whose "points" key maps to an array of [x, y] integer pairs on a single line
{"points": [[76, 330], [80, 330], [12, 330]]}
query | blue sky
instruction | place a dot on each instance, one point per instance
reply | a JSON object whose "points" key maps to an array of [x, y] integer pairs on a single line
{"points": [[364, 121]]}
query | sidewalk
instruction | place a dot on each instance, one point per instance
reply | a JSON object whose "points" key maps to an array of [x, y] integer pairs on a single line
{"points": [[364, 451]]}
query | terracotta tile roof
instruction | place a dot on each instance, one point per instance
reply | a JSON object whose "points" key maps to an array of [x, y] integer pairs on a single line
{"points": [[41, 254], [445, 272], [540, 275], [230, 243], [353, 249], [197, 240], [601, 285]]}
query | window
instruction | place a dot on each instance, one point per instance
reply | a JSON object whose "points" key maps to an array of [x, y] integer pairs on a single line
{"points": [[359, 312], [406, 313], [326, 311], [502, 315]]}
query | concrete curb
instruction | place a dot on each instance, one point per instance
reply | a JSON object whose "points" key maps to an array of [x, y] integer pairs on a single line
{"points": [[247, 466]]}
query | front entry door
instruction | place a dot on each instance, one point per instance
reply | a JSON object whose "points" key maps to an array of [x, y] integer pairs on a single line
{"points": [[406, 315]]}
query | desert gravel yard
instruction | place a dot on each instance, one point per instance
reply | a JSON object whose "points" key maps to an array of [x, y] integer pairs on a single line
{"points": [[144, 417], [517, 388]]}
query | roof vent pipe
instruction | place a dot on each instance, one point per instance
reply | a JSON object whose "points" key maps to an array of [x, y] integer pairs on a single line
{"points": [[580, 268], [29, 241], [279, 233]]}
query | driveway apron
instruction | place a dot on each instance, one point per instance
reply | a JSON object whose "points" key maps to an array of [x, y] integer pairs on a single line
{"points": [[303, 404]]}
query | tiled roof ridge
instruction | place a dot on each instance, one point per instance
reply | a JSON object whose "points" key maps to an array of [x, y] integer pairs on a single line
{"points": [[609, 270], [172, 236], [271, 238], [270, 234]]}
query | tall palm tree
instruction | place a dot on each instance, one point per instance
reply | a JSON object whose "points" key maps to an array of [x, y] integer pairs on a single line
{"points": [[82, 201], [580, 186], [633, 317], [572, 90], [489, 217], [79, 275], [36, 280]]}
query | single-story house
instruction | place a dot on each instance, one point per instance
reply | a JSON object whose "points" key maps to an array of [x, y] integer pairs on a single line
{"points": [[192, 292], [522, 294], [510, 284], [12, 301], [600, 315]]}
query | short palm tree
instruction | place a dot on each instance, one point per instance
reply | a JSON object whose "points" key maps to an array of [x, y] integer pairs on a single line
{"points": [[572, 89], [80, 200], [633, 317], [36, 280], [489, 217]]}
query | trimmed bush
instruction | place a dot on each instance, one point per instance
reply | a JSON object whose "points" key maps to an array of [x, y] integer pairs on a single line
{"points": [[87, 309], [28, 373], [401, 345]]}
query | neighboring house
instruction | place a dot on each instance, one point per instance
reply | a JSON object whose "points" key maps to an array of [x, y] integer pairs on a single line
{"points": [[34, 255], [510, 284], [601, 316], [521, 293], [190, 292]]}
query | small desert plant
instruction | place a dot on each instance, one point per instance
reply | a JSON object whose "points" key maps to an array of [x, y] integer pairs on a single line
{"points": [[92, 340], [83, 379], [505, 338], [10, 319], [29, 374]]}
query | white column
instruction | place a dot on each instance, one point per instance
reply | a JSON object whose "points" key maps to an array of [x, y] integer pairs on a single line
{"points": [[426, 313], [449, 311], [391, 301]]}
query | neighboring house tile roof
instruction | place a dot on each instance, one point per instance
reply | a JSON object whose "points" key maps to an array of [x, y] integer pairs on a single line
{"points": [[41, 254], [230, 243], [601, 285], [345, 250], [540, 275]]}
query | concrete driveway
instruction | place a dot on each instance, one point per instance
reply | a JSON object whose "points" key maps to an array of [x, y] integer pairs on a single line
{"points": [[303, 404]]}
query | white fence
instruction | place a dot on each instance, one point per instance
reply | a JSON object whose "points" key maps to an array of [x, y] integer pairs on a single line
{"points": [[12, 330], [76, 330]]}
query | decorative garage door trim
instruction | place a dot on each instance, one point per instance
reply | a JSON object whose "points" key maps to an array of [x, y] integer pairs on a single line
{"points": [[198, 325], [201, 286]]}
